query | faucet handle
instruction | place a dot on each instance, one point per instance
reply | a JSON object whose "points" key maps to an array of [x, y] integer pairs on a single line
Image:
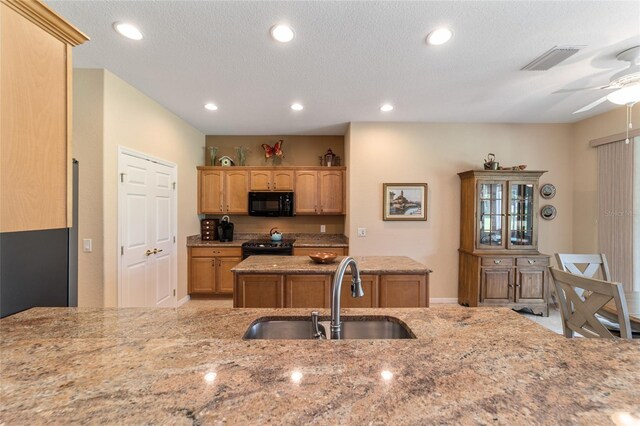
{"points": [[319, 331]]}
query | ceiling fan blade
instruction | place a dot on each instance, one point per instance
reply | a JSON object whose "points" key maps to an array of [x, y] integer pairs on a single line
{"points": [[606, 87], [591, 105]]}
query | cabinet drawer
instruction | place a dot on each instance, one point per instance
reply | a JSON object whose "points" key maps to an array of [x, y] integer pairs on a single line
{"points": [[497, 261], [215, 251], [532, 261]]}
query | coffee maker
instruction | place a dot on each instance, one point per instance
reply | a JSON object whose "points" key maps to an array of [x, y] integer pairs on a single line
{"points": [[225, 229]]}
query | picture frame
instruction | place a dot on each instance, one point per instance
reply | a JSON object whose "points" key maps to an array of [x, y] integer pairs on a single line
{"points": [[404, 201]]}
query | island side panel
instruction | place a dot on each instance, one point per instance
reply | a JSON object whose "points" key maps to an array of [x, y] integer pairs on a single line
{"points": [[258, 291]]}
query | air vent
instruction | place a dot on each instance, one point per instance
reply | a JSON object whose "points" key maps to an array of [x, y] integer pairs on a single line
{"points": [[551, 58]]}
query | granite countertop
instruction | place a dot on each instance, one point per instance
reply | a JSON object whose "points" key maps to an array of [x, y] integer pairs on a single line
{"points": [[304, 265], [190, 366], [301, 240]]}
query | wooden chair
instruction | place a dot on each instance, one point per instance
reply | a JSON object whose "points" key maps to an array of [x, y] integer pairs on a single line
{"points": [[581, 297], [592, 264]]}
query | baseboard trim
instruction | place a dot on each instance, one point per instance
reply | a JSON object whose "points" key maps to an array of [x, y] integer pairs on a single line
{"points": [[183, 301], [438, 300]]}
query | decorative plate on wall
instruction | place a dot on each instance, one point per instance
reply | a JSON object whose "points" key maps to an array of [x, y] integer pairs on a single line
{"points": [[547, 191], [548, 212]]}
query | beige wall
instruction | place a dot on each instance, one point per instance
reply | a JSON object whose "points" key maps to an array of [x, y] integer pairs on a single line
{"points": [[132, 120], [88, 128], [435, 153], [298, 150], [585, 176]]}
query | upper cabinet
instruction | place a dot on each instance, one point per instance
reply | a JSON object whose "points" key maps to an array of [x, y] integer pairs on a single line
{"points": [[222, 191], [271, 180], [35, 106], [320, 192]]}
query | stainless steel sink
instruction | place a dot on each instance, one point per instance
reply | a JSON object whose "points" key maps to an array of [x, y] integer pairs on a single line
{"points": [[370, 327]]}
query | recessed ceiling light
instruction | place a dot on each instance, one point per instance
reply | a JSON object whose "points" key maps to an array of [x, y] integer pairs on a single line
{"points": [[439, 36], [297, 107], [211, 107], [386, 108], [282, 33], [127, 30]]}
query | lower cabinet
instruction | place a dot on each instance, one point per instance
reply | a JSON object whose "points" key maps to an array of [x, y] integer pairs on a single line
{"points": [[209, 270], [518, 281], [314, 291]]}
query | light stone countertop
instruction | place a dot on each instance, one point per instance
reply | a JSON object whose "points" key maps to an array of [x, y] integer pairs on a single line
{"points": [[304, 265], [301, 240], [190, 366]]}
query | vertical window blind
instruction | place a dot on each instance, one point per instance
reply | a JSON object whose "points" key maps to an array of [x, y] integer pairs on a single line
{"points": [[618, 230]]}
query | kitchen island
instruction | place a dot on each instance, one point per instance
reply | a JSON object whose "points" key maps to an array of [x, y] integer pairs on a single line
{"points": [[298, 282], [190, 366]]}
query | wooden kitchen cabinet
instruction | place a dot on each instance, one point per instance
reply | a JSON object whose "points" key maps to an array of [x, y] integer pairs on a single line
{"points": [[222, 191], [210, 270], [259, 291], [271, 180], [403, 291], [370, 287], [36, 111], [320, 191], [306, 251], [499, 261], [307, 291]]}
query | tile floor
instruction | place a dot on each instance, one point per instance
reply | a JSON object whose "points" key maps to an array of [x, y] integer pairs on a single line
{"points": [[552, 322]]}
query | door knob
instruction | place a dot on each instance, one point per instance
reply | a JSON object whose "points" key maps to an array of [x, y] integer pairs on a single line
{"points": [[148, 253], [155, 250]]}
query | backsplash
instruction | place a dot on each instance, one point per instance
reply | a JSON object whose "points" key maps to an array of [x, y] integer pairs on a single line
{"points": [[297, 224]]}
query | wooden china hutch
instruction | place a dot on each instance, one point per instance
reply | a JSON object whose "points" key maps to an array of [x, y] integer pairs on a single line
{"points": [[500, 264]]}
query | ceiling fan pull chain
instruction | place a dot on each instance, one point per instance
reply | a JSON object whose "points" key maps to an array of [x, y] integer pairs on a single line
{"points": [[629, 124]]}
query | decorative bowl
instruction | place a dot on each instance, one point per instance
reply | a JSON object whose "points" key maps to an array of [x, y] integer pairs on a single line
{"points": [[323, 257]]}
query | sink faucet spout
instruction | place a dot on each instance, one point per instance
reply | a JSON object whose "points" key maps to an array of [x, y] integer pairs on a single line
{"points": [[356, 291]]}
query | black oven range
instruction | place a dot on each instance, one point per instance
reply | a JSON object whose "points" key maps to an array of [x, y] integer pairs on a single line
{"points": [[267, 247]]}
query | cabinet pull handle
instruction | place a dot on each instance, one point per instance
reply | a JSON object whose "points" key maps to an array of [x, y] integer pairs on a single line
{"points": [[511, 285], [531, 261], [497, 262]]}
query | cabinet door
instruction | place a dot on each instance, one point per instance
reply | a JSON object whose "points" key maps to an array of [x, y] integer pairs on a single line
{"points": [[282, 180], [531, 285], [258, 291], [307, 291], [224, 278], [370, 298], [523, 215], [403, 291], [202, 275], [306, 192], [210, 191], [497, 285], [260, 180], [331, 194], [491, 214], [236, 192]]}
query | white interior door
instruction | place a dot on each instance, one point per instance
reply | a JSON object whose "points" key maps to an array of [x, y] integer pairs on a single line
{"points": [[148, 262]]}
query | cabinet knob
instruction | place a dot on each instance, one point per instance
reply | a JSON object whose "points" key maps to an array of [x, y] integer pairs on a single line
{"points": [[531, 261], [510, 285], [497, 262]]}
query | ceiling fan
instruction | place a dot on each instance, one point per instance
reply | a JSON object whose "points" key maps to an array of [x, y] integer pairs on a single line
{"points": [[626, 83]]}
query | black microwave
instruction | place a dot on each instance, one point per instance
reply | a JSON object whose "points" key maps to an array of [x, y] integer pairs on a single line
{"points": [[271, 204]]}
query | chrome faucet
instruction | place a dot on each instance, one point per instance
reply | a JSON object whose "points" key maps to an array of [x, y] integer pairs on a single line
{"points": [[356, 291]]}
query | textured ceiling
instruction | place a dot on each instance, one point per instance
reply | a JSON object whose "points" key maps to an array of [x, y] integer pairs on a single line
{"points": [[349, 57]]}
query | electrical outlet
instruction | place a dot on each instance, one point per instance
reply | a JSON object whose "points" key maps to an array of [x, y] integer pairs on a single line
{"points": [[87, 245], [362, 232], [323, 228]]}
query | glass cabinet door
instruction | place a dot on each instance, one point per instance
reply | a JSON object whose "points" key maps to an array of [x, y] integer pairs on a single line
{"points": [[491, 214], [521, 215]]}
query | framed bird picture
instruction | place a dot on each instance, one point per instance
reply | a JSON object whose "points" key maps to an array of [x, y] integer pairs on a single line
{"points": [[404, 201]]}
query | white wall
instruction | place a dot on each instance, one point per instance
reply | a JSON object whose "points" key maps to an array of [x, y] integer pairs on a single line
{"points": [[435, 153], [131, 119]]}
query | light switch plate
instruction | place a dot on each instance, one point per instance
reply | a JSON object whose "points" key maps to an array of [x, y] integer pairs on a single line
{"points": [[362, 232], [87, 245]]}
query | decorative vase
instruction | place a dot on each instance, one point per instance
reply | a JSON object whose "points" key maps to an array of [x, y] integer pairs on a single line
{"points": [[241, 155], [213, 151]]}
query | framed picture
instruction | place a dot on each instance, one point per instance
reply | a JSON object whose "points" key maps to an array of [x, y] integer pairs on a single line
{"points": [[404, 201]]}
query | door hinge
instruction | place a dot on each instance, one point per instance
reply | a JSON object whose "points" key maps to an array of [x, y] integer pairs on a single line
{"points": [[121, 250], [174, 239], [122, 177], [174, 186], [174, 292]]}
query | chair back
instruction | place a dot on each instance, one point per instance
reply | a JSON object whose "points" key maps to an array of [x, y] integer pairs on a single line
{"points": [[591, 264], [581, 297]]}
